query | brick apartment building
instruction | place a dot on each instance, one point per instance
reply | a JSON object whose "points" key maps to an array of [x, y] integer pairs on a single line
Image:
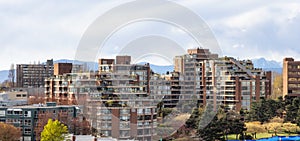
{"points": [[33, 75], [120, 108], [57, 87], [115, 99]]}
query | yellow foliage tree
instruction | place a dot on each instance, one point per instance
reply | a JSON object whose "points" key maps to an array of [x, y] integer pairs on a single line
{"points": [[277, 86], [54, 131], [254, 127], [290, 128], [273, 127]]}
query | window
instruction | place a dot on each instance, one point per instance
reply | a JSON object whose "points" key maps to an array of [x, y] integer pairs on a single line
{"points": [[18, 95], [106, 125], [140, 124], [2, 113], [106, 133], [124, 111], [124, 133], [27, 113], [140, 111], [27, 122], [124, 118], [27, 131], [124, 125], [105, 111], [140, 132], [106, 118], [148, 111], [9, 112]]}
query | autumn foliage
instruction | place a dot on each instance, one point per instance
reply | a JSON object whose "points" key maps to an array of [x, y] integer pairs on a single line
{"points": [[9, 132]]}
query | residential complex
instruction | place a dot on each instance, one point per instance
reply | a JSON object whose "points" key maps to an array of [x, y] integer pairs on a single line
{"points": [[120, 99], [235, 84], [31, 118], [121, 108], [57, 89], [33, 75], [291, 77], [220, 81]]}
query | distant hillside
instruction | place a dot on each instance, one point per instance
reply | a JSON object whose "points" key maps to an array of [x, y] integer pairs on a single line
{"points": [[90, 65], [268, 65], [160, 69], [94, 65]]}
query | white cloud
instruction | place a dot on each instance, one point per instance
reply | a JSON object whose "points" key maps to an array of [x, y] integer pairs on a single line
{"points": [[35, 30]]}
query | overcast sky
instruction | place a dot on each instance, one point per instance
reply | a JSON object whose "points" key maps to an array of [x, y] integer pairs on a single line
{"points": [[33, 31]]}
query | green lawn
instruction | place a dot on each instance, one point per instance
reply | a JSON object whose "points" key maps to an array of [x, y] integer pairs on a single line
{"points": [[262, 135]]}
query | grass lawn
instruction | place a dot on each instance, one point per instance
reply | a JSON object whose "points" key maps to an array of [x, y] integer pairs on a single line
{"points": [[262, 135]]}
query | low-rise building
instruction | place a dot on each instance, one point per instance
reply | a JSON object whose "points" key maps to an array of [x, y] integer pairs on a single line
{"points": [[29, 119], [17, 96]]}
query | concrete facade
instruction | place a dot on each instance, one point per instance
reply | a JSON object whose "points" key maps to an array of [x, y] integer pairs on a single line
{"points": [[291, 77], [33, 75]]}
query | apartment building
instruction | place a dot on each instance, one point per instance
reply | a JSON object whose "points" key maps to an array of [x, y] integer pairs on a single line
{"points": [[119, 105], [33, 75], [30, 118], [62, 68], [190, 82], [291, 77], [235, 84], [57, 89]]}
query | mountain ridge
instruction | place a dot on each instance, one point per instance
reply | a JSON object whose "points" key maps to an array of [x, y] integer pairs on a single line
{"points": [[267, 65]]}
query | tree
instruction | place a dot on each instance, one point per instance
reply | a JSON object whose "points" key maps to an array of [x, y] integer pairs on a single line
{"points": [[193, 121], [234, 124], [290, 128], [78, 127], [221, 125], [277, 86], [54, 131], [273, 127], [213, 131], [35, 100], [292, 107], [264, 110], [9, 132], [254, 127], [298, 118]]}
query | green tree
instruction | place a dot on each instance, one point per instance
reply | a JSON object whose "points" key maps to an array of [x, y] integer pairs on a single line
{"points": [[264, 110], [193, 121], [222, 124], [54, 131], [234, 124], [298, 118], [292, 107]]}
